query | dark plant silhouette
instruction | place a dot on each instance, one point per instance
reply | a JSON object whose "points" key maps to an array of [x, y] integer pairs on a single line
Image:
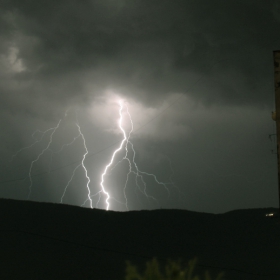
{"points": [[173, 271]]}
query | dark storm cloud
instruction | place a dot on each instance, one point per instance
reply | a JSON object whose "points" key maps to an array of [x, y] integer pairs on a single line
{"points": [[55, 54], [151, 46]]}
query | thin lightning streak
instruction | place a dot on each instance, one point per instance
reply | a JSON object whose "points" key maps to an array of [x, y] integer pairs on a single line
{"points": [[135, 165], [155, 178], [79, 165], [61, 149], [84, 156], [67, 144], [38, 157], [64, 145], [47, 148], [138, 172], [33, 144], [37, 130], [68, 183], [93, 195], [37, 140]]}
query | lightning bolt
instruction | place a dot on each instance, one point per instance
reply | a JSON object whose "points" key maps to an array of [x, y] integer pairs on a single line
{"points": [[40, 154], [43, 133], [47, 148], [82, 164], [61, 149], [132, 163], [125, 146], [33, 144], [113, 156]]}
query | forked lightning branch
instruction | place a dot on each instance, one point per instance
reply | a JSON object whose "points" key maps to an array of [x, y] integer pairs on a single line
{"points": [[103, 189]]}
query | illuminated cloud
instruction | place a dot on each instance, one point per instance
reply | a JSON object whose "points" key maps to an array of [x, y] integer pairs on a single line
{"points": [[165, 127], [214, 58], [10, 62]]}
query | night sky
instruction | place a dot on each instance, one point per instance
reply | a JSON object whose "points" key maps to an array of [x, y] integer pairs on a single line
{"points": [[197, 80]]}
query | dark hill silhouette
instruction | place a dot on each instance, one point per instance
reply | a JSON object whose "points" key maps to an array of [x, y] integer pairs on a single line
{"points": [[55, 241]]}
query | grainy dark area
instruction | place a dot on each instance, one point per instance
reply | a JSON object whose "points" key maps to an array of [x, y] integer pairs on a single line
{"points": [[54, 241]]}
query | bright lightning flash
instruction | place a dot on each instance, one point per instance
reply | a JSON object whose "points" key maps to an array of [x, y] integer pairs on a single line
{"points": [[138, 174], [126, 145], [113, 156]]}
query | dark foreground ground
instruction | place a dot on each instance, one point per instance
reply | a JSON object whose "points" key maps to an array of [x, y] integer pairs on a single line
{"points": [[53, 241]]}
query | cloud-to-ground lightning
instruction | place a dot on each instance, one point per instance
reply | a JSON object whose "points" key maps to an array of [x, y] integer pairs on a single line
{"points": [[138, 174], [81, 164], [102, 189], [47, 148], [113, 157]]}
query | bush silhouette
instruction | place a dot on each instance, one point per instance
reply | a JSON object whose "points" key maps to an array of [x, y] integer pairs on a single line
{"points": [[173, 271]]}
